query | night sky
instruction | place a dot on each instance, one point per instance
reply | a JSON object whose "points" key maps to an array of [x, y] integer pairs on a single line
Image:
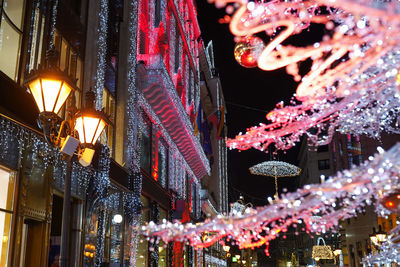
{"points": [[254, 88]]}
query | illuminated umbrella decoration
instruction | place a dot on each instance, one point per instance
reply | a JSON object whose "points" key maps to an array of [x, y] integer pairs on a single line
{"points": [[275, 169]]}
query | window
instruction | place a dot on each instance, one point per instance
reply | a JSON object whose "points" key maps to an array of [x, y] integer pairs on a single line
{"points": [[109, 109], [142, 42], [162, 163], [7, 185], [36, 40], [75, 6], [113, 247], [177, 44], [194, 199], [162, 248], [323, 148], [11, 25], [188, 189], [69, 61], [323, 164], [144, 26], [157, 13], [145, 146], [190, 86]]}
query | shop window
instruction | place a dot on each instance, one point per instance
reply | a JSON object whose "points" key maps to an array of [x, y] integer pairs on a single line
{"points": [[142, 258], [162, 247], [7, 186], [107, 136], [89, 249], [129, 229], [11, 26], [75, 239], [186, 256], [113, 248], [323, 164]]}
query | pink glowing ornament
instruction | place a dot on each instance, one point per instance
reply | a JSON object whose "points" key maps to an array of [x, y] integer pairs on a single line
{"points": [[248, 50]]}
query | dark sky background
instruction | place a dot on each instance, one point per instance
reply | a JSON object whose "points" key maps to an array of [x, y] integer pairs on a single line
{"points": [[249, 87]]}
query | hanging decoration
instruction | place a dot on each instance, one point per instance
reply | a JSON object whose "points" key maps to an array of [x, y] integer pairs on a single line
{"points": [[247, 51], [352, 84], [318, 207], [322, 252], [275, 169]]}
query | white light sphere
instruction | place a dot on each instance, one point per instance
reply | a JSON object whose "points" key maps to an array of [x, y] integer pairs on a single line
{"points": [[117, 218]]}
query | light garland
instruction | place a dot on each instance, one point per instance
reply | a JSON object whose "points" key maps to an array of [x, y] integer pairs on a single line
{"points": [[101, 52], [339, 198], [352, 85]]}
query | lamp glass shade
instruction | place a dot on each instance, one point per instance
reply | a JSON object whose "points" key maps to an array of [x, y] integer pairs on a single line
{"points": [[337, 252], [226, 248], [381, 237], [89, 128], [49, 94], [374, 239]]}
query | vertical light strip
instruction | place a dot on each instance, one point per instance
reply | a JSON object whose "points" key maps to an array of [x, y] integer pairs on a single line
{"points": [[101, 52]]}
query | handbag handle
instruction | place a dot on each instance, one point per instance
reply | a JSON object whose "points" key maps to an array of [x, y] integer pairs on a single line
{"points": [[319, 239]]}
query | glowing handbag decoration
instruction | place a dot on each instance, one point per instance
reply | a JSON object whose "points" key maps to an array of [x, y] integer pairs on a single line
{"points": [[322, 252]]}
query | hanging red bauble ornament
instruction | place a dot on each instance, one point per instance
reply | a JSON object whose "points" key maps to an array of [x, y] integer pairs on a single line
{"points": [[247, 51], [392, 202]]}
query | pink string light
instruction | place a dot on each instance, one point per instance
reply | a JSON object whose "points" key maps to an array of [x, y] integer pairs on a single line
{"points": [[343, 67]]}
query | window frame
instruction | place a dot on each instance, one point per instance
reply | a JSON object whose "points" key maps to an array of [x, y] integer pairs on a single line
{"points": [[21, 54], [14, 174], [323, 164]]}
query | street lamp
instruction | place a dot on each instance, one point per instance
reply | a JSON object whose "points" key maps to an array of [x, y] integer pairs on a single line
{"points": [[337, 252], [378, 237], [50, 88], [226, 248]]}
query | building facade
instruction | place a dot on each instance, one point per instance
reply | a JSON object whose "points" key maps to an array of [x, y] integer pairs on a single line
{"points": [[142, 58], [344, 152], [348, 150], [212, 129]]}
